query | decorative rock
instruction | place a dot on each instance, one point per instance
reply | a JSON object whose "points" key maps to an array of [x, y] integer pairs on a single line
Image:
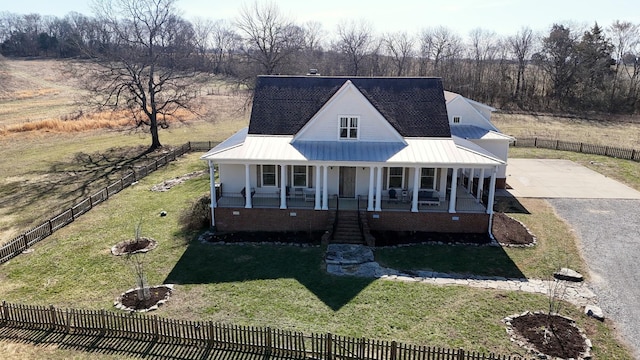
{"points": [[568, 275], [594, 311]]}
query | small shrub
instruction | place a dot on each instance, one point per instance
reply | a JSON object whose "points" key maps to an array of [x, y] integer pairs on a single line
{"points": [[197, 216]]}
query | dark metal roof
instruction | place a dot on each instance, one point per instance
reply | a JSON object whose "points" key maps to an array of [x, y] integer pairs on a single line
{"points": [[415, 107]]}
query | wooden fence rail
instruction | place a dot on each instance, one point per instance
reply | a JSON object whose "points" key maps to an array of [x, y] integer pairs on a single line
{"points": [[611, 151], [260, 340], [22, 242]]}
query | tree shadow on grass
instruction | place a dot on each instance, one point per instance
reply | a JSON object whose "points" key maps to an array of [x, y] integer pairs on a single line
{"points": [[67, 182], [208, 264]]}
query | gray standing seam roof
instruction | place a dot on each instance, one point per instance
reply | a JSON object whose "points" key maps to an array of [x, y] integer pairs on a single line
{"points": [[415, 107]]}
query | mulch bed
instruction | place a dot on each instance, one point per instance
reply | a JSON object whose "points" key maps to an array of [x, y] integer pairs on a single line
{"points": [[509, 231], [131, 300], [287, 237], [551, 335]]}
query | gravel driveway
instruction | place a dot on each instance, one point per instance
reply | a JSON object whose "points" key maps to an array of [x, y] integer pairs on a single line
{"points": [[609, 230]]}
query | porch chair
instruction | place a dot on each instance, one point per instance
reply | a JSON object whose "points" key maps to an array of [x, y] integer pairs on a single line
{"points": [[393, 195]]}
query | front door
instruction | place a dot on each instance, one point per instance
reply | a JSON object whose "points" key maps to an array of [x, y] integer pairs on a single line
{"points": [[347, 182]]}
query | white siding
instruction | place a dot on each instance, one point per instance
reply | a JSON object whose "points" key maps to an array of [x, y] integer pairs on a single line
{"points": [[469, 115], [500, 149], [232, 178], [348, 101]]}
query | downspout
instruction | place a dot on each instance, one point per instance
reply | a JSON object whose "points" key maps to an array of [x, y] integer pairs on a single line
{"points": [[212, 184], [490, 201]]}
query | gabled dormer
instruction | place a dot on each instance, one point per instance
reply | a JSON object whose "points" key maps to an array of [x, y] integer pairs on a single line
{"points": [[348, 116]]}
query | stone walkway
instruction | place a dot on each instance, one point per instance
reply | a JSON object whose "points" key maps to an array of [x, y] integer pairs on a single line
{"points": [[358, 260]]}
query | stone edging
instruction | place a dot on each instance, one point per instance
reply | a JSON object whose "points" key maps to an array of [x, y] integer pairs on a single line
{"points": [[120, 306]]}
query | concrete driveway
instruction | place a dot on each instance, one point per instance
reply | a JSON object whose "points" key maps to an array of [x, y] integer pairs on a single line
{"points": [[605, 215], [554, 178]]}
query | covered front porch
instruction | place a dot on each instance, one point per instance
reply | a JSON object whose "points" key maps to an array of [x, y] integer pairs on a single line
{"points": [[373, 188]]}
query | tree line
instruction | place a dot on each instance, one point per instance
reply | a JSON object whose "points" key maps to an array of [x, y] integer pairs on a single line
{"points": [[566, 68]]}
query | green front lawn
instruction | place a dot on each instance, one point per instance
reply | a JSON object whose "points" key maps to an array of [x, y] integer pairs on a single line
{"points": [[280, 286]]}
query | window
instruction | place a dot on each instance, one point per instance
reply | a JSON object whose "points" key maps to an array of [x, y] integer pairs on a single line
{"points": [[299, 175], [269, 175], [348, 127], [396, 177], [427, 178], [456, 119]]}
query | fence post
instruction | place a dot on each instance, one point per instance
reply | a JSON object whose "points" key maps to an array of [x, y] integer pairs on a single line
{"points": [[328, 347], [461, 354], [211, 332], [156, 328], [580, 147], [557, 142], [68, 324], [268, 341], [535, 142], [52, 317], [394, 350], [50, 227], [26, 242], [103, 322], [5, 312]]}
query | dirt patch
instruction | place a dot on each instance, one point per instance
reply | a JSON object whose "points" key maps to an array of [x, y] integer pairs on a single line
{"points": [[554, 335], [168, 184], [140, 245]]}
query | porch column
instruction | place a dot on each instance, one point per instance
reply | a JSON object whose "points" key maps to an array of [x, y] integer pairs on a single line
{"points": [[247, 187], [416, 187], [453, 194], [317, 205], [371, 187], [480, 185], [212, 184], [325, 190], [443, 183], [492, 191], [378, 189], [472, 172], [283, 186]]}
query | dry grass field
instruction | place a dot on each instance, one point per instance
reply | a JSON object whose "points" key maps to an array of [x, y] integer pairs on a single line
{"points": [[620, 131], [41, 137]]}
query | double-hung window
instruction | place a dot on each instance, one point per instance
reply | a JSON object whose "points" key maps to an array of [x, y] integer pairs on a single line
{"points": [[269, 176], [396, 177], [299, 176], [427, 178], [349, 127]]}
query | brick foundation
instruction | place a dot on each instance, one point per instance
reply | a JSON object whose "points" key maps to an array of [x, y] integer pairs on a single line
{"points": [[241, 219], [428, 222]]}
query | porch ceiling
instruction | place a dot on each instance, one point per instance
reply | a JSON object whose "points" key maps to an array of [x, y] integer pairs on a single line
{"points": [[436, 152]]}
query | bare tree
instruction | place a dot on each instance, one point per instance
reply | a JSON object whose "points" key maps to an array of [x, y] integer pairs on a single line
{"points": [[354, 42], [399, 46], [521, 45], [270, 38], [146, 68], [626, 41]]}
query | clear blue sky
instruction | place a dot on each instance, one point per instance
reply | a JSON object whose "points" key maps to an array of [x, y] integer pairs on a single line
{"points": [[505, 17]]}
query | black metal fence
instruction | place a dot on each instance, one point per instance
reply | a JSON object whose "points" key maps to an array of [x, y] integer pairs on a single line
{"points": [[611, 151]]}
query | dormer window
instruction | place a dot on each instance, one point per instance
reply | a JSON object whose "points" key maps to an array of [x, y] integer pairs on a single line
{"points": [[349, 127], [456, 119]]}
